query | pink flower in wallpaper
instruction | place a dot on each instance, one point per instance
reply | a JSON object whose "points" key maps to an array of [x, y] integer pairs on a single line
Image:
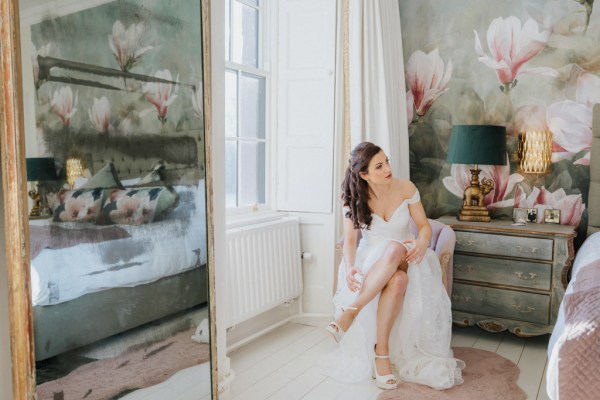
{"points": [[99, 115], [504, 183], [126, 45], [63, 105], [511, 46], [161, 94], [571, 121], [426, 79], [571, 207], [198, 101]]}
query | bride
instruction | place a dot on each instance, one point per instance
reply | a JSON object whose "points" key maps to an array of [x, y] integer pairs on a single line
{"points": [[391, 305]]}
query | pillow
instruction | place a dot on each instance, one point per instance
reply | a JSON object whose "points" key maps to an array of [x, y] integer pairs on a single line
{"points": [[137, 206], [81, 205], [106, 177]]}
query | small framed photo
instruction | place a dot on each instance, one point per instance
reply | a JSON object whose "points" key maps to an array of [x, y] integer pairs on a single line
{"points": [[532, 215], [520, 216], [552, 216]]}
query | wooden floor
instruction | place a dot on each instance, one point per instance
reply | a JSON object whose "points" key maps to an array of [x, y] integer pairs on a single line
{"points": [[278, 365]]}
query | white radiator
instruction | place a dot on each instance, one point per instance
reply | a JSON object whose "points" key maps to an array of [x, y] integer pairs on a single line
{"points": [[263, 267]]}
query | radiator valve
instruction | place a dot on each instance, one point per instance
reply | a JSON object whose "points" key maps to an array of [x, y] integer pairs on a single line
{"points": [[306, 256]]}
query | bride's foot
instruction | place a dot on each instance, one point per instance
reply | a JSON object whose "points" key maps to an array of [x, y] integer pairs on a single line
{"points": [[338, 328], [382, 371]]}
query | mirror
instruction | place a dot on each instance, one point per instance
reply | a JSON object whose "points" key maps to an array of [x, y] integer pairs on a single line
{"points": [[111, 133]]}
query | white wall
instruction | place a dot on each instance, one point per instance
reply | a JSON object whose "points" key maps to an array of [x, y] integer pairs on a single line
{"points": [[5, 361]]}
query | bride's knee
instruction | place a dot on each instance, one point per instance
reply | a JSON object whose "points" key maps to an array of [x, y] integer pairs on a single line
{"points": [[398, 283], [395, 252]]}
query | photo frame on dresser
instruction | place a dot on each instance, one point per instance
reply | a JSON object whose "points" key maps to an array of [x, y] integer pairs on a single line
{"points": [[79, 89], [551, 216], [532, 215], [520, 216]]}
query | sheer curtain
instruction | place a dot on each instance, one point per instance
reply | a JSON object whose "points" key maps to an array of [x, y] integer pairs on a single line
{"points": [[375, 98]]}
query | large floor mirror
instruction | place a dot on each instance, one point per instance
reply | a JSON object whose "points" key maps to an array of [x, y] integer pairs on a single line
{"points": [[108, 194]]}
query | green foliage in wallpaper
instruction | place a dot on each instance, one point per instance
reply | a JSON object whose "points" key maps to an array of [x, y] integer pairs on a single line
{"points": [[529, 65]]}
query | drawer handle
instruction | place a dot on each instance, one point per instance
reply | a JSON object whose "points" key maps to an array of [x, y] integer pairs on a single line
{"points": [[465, 242], [531, 250], [521, 309], [461, 299], [461, 268], [520, 275]]}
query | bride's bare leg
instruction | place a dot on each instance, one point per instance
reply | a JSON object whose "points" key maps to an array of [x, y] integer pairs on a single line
{"points": [[390, 304], [377, 278]]}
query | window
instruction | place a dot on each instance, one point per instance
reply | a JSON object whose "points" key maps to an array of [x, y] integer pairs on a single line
{"points": [[245, 105]]}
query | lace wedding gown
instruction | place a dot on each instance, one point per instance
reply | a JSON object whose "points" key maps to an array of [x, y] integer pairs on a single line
{"points": [[420, 338]]}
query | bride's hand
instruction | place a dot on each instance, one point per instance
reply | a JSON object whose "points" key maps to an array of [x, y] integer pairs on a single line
{"points": [[417, 250], [351, 281]]}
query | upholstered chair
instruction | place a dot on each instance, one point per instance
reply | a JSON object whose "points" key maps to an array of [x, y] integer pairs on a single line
{"points": [[442, 243]]}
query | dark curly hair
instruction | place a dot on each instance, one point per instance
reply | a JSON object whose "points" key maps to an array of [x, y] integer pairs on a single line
{"points": [[355, 190]]}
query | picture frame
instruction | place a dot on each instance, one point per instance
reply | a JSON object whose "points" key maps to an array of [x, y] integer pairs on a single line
{"points": [[551, 216], [520, 216], [532, 215]]}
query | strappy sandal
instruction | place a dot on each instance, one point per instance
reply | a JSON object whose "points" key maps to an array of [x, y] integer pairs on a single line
{"points": [[382, 381], [335, 330]]}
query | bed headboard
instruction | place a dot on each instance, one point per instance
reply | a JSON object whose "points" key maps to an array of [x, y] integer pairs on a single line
{"points": [[593, 205]]}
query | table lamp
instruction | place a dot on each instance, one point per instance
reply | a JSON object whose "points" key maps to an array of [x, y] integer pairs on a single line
{"points": [[477, 145], [40, 169]]}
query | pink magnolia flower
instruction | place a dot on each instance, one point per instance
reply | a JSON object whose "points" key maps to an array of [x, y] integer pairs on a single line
{"points": [[161, 94], [99, 115], [426, 80], [511, 46], [198, 101], [504, 183], [571, 121], [43, 51], [62, 104], [571, 206], [132, 208], [126, 45]]}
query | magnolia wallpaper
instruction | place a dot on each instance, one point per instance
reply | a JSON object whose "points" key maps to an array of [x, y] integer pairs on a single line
{"points": [[134, 72], [521, 64]]}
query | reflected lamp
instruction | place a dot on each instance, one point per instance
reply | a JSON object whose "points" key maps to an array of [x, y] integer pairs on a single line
{"points": [[40, 169], [535, 152], [477, 145]]}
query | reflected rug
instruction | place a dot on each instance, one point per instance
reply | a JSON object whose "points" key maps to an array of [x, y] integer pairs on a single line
{"points": [[487, 376], [140, 367]]}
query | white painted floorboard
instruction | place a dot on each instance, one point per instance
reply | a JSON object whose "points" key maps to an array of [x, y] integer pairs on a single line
{"points": [[277, 366]]}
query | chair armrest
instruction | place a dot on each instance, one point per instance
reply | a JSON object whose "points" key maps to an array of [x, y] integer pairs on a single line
{"points": [[445, 251]]}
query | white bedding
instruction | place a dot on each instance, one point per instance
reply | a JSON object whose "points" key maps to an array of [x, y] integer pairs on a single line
{"points": [[153, 251]]}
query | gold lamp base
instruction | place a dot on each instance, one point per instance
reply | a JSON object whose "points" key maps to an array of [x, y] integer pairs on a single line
{"points": [[474, 214], [473, 208]]}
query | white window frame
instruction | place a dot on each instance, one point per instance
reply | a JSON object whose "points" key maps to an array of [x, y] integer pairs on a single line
{"points": [[243, 212]]}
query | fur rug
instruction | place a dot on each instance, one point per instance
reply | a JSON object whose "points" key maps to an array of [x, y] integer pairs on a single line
{"points": [[137, 368], [487, 376]]}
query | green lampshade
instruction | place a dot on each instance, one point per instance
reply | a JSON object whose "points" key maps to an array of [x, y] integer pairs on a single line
{"points": [[477, 144], [41, 169]]}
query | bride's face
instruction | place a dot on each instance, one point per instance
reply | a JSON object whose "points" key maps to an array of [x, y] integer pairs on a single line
{"points": [[379, 171]]}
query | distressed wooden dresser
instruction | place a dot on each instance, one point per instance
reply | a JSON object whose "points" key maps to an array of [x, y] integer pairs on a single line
{"points": [[509, 277]]}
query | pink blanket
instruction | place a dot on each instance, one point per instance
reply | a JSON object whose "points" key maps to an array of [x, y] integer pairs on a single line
{"points": [[579, 354]]}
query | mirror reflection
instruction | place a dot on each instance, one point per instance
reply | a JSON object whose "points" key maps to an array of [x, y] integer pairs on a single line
{"points": [[114, 132]]}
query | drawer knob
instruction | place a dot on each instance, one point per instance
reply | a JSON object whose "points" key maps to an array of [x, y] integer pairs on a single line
{"points": [[531, 250], [521, 275], [523, 309], [461, 299]]}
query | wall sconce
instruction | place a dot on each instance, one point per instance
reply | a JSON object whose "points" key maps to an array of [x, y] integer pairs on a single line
{"points": [[40, 169], [75, 169], [477, 144], [535, 152]]}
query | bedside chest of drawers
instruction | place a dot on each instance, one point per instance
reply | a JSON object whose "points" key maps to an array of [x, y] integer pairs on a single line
{"points": [[509, 277]]}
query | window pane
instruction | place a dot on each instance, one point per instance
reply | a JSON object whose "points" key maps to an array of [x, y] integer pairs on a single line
{"points": [[230, 173], [252, 2], [252, 173], [231, 100], [227, 29], [244, 31], [252, 94]]}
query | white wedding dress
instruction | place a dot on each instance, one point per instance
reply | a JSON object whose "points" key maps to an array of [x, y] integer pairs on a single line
{"points": [[420, 338]]}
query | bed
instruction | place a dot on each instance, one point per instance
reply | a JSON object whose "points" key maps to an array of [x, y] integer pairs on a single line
{"points": [[95, 279], [573, 370]]}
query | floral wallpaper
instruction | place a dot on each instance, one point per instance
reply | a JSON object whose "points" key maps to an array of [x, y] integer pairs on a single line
{"points": [[125, 69], [521, 64]]}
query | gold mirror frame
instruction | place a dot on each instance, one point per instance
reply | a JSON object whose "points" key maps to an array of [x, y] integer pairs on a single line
{"points": [[12, 148]]}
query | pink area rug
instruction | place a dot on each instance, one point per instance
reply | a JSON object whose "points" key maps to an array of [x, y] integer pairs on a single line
{"points": [[140, 367], [487, 376]]}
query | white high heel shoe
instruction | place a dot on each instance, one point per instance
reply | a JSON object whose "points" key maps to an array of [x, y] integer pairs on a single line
{"points": [[381, 381], [335, 330]]}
